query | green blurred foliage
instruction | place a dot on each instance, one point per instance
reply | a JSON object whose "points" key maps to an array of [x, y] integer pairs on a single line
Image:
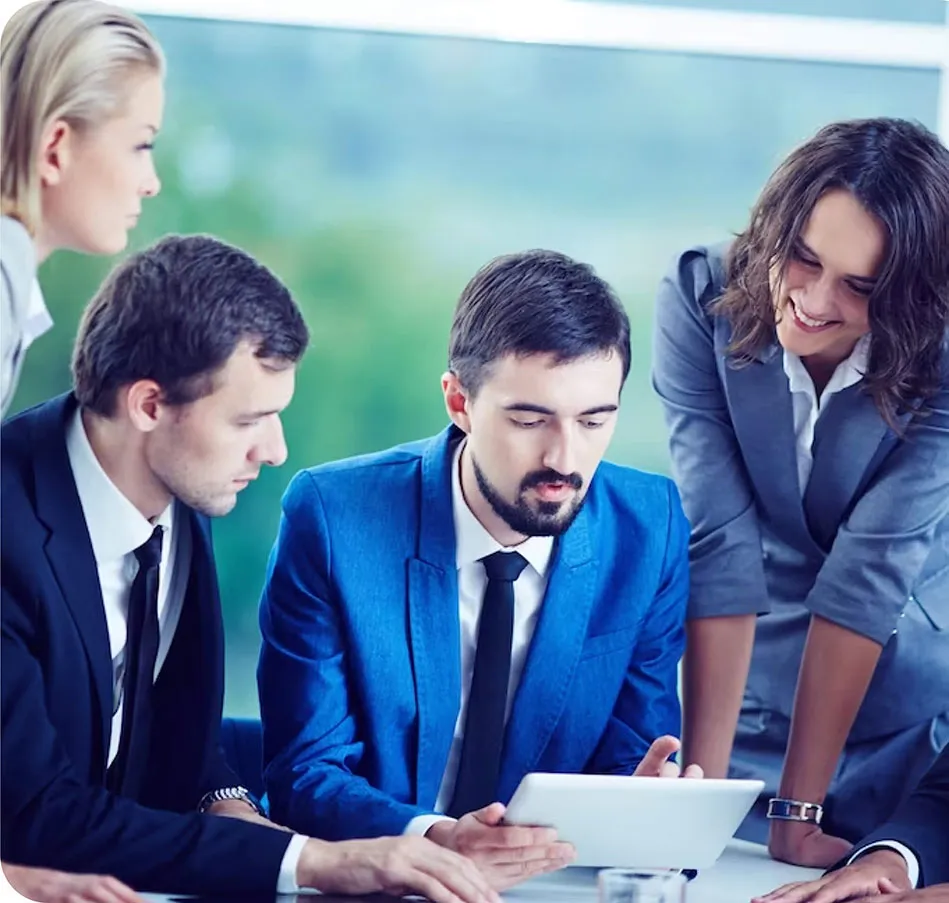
{"points": [[375, 173]]}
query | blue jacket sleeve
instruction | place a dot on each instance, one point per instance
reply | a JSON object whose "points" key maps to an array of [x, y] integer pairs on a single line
{"points": [[725, 548], [312, 748]]}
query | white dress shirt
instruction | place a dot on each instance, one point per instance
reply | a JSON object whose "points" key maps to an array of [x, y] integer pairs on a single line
{"points": [[807, 408], [472, 543], [116, 529], [912, 863]]}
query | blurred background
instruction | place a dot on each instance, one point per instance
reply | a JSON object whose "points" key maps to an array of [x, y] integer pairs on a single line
{"points": [[375, 163]]}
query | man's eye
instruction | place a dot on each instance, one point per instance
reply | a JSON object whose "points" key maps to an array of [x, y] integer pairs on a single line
{"points": [[527, 424]]}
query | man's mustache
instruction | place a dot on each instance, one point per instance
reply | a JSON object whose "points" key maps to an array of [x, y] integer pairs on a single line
{"points": [[539, 477]]}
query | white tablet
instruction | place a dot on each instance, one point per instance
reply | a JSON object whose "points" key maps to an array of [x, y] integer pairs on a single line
{"points": [[615, 820]]}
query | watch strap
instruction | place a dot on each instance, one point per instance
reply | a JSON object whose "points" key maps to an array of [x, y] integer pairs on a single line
{"points": [[242, 794]]}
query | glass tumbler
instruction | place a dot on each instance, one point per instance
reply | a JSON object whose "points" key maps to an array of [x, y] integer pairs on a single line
{"points": [[641, 886]]}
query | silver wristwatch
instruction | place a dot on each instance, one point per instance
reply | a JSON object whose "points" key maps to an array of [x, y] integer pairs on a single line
{"points": [[230, 793], [795, 810]]}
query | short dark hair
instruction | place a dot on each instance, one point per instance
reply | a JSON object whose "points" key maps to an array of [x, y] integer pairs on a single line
{"points": [[175, 313], [899, 172], [534, 302]]}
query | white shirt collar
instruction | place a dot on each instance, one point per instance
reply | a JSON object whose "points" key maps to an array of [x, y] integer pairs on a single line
{"points": [[116, 527], [473, 542], [848, 372]]}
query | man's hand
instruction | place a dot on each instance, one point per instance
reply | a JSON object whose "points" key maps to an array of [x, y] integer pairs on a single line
{"points": [[656, 764], [880, 872], [801, 843], [49, 886], [393, 865], [506, 854], [244, 811]]}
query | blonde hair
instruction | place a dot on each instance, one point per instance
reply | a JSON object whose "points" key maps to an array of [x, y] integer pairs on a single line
{"points": [[62, 59]]}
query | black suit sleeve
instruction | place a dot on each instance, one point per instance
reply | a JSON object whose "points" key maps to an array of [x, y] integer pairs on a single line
{"points": [[53, 817], [921, 823]]}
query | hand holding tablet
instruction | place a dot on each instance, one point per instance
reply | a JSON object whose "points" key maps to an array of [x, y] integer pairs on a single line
{"points": [[637, 821]]}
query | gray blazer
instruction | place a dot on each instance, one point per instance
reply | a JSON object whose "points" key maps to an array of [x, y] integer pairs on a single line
{"points": [[17, 271], [868, 545]]}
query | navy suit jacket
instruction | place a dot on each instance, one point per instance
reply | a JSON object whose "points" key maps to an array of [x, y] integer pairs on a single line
{"points": [[359, 673], [922, 824], [57, 699]]}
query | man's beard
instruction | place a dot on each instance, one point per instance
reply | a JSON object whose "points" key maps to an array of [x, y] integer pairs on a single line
{"points": [[548, 518]]}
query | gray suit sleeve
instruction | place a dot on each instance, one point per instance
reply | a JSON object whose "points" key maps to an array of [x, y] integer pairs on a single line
{"points": [[17, 269], [725, 547], [9, 341], [880, 549]]}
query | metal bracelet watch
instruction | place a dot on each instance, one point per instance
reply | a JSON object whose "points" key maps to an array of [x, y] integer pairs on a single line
{"points": [[241, 794], [795, 810]]}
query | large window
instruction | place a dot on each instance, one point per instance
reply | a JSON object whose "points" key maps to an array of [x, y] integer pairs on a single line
{"points": [[376, 172]]}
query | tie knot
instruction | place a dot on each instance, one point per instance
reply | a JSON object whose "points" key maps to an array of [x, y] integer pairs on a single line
{"points": [[504, 566], [149, 552]]}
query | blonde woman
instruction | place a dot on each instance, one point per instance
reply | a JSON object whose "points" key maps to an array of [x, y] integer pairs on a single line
{"points": [[82, 103]]}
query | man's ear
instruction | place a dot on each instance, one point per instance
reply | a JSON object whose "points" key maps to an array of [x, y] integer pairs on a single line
{"points": [[145, 404], [56, 152], [457, 400]]}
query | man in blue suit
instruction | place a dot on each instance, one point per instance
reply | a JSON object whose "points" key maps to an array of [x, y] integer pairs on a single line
{"points": [[444, 617], [112, 649]]}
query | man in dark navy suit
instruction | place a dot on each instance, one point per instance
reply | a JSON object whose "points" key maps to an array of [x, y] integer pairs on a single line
{"points": [[112, 644], [910, 851]]}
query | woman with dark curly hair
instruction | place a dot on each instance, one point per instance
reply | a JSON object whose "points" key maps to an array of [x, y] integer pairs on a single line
{"points": [[804, 372]]}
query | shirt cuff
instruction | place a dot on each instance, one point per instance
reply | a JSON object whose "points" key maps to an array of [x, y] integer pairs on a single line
{"points": [[912, 863], [421, 823], [287, 879]]}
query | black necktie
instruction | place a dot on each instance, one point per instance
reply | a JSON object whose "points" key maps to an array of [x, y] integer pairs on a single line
{"points": [[476, 784], [127, 771]]}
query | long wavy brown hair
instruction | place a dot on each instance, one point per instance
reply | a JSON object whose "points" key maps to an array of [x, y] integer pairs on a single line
{"points": [[899, 172]]}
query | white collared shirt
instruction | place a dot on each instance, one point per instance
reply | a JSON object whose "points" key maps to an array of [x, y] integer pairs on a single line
{"points": [[117, 528], [472, 543], [807, 406]]}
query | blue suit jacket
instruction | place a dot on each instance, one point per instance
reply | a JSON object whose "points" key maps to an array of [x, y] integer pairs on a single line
{"points": [[56, 705], [867, 546], [359, 672]]}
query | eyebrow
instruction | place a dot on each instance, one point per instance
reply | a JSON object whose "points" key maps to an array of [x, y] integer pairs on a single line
{"points": [[540, 409], [868, 281]]}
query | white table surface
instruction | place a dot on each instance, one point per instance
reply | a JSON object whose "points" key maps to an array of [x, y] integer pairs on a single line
{"points": [[744, 871]]}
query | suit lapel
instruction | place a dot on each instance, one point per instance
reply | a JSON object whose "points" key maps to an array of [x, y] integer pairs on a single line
{"points": [[761, 411], [69, 548], [184, 733], [553, 654], [846, 439], [433, 619]]}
